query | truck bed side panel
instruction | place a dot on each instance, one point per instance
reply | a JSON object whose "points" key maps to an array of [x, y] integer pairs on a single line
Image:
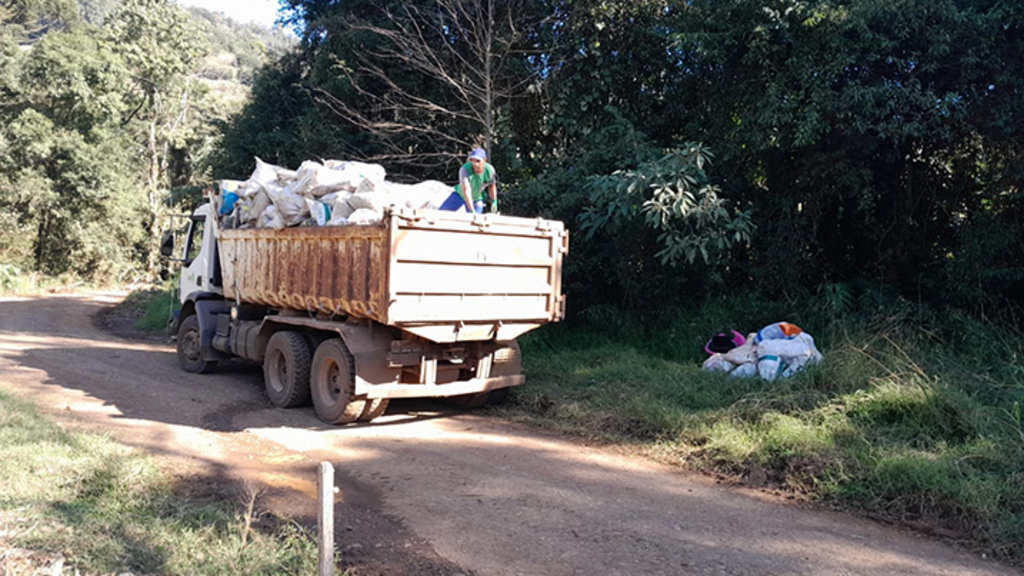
{"points": [[337, 270]]}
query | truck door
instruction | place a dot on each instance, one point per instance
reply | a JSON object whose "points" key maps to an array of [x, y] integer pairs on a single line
{"points": [[196, 259]]}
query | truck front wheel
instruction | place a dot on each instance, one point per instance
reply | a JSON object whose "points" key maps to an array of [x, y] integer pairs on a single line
{"points": [[332, 382], [190, 347], [286, 369]]}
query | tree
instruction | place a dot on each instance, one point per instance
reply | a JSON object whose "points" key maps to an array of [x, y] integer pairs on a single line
{"points": [[29, 20], [432, 77], [162, 48], [65, 186]]}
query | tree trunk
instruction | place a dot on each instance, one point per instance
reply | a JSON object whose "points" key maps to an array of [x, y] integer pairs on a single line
{"points": [[153, 183], [489, 80]]}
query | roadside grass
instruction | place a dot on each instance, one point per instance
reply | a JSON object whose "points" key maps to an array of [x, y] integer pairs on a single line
{"points": [[106, 509], [14, 281], [917, 426], [152, 306]]}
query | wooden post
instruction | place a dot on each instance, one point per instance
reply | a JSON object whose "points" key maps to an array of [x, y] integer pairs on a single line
{"points": [[325, 519]]}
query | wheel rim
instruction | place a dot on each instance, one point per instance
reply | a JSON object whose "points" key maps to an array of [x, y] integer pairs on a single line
{"points": [[334, 382], [191, 347], [278, 371]]}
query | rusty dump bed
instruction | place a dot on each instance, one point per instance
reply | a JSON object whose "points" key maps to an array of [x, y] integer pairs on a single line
{"points": [[445, 276]]}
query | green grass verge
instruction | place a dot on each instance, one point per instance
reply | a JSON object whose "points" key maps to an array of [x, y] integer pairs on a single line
{"points": [[156, 305], [906, 424], [107, 509], [149, 307]]}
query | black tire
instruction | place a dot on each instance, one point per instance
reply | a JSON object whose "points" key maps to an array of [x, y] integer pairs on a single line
{"points": [[332, 382], [374, 408], [286, 369], [190, 347]]}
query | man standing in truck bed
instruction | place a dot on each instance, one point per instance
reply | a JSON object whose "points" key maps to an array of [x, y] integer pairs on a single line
{"points": [[475, 177]]}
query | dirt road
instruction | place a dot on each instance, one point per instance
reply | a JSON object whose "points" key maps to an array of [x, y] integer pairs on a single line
{"points": [[426, 491]]}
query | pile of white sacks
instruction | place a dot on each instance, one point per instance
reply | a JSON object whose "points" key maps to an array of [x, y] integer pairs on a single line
{"points": [[332, 193], [777, 350]]}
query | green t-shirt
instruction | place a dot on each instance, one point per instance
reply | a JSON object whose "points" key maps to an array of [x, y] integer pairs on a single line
{"points": [[477, 182]]}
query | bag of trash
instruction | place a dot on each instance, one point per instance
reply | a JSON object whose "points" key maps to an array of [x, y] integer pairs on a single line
{"points": [[376, 202], [291, 207], [263, 174], [356, 172], [747, 370], [341, 207], [428, 194], [286, 177], [745, 353], [363, 217], [778, 331], [253, 207], [315, 179], [320, 211], [271, 219], [228, 203], [718, 363], [795, 353], [768, 367]]}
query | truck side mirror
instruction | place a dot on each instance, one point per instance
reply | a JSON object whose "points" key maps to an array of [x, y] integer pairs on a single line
{"points": [[167, 243]]}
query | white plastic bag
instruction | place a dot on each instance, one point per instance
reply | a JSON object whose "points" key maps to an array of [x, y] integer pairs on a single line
{"points": [[795, 353], [286, 177], [429, 194], [271, 219], [744, 354], [374, 201], [290, 206], [768, 367], [363, 217], [263, 174], [718, 363], [748, 370], [253, 207], [320, 211], [357, 176], [341, 207], [315, 179]]}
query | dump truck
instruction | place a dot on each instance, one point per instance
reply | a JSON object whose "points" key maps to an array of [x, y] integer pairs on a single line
{"points": [[424, 304]]}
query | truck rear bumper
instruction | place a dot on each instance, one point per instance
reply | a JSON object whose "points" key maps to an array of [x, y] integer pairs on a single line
{"points": [[443, 390]]}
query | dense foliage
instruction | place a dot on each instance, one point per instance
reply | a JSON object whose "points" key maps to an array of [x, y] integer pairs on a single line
{"points": [[107, 107], [859, 143]]}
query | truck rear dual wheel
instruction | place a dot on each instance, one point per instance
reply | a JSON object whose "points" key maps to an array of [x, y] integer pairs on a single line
{"points": [[190, 347], [332, 384], [286, 369]]}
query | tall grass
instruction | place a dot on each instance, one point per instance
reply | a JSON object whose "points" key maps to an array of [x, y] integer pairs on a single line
{"points": [[107, 509], [914, 417]]}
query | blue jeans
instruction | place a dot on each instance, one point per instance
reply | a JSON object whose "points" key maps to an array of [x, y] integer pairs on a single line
{"points": [[455, 202]]}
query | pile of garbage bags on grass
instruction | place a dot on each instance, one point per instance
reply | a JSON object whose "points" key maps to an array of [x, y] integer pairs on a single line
{"points": [[332, 193], [777, 350]]}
